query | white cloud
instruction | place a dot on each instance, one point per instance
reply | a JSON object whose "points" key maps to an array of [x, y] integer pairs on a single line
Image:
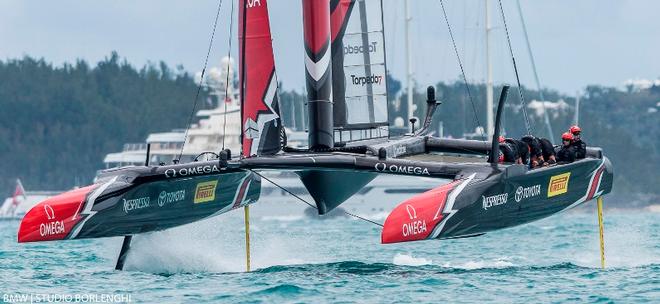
{"points": [[553, 108]]}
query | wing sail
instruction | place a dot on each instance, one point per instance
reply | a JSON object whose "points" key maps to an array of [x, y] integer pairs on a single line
{"points": [[358, 70], [260, 117]]}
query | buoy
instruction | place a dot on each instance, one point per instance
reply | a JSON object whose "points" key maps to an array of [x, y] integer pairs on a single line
{"points": [[247, 237], [600, 225]]}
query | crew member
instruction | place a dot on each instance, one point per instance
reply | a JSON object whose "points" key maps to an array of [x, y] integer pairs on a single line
{"points": [[535, 151], [567, 152], [522, 151], [579, 145], [507, 152], [548, 151]]}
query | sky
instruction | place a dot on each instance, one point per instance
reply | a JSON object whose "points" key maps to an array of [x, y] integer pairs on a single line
{"points": [[575, 43]]}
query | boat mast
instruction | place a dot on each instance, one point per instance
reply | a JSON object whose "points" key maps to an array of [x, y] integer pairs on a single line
{"points": [[489, 77], [577, 109], [318, 67], [408, 62]]}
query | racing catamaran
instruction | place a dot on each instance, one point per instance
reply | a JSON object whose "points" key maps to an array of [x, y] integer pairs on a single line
{"points": [[349, 146]]}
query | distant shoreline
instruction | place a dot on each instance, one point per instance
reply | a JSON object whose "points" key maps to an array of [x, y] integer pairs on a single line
{"points": [[653, 208]]}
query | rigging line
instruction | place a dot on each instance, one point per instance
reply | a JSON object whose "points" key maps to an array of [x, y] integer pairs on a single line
{"points": [[224, 116], [546, 117], [308, 203], [515, 69], [201, 80], [460, 64]]}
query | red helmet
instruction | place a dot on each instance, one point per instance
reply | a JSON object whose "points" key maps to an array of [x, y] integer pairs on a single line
{"points": [[567, 136], [500, 139], [575, 129]]}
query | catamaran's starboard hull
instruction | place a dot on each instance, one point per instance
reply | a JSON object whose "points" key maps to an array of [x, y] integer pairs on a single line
{"points": [[115, 207], [472, 206]]}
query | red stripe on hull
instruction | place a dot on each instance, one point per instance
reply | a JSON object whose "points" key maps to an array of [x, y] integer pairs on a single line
{"points": [[241, 193], [595, 183]]}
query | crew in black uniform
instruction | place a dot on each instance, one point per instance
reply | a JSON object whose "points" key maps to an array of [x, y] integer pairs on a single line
{"points": [[548, 151], [535, 152], [579, 145], [508, 154], [567, 152], [521, 150]]}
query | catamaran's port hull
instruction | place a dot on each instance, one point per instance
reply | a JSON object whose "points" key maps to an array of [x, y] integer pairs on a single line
{"points": [[123, 205]]}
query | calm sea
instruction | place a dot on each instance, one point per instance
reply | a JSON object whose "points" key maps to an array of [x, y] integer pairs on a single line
{"points": [[303, 260]]}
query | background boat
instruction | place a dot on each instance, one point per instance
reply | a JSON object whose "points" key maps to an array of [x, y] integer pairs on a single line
{"points": [[15, 206]]}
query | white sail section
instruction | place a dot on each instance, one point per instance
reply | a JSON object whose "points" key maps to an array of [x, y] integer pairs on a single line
{"points": [[359, 71]]}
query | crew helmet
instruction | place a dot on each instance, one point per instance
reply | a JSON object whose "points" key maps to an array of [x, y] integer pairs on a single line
{"points": [[575, 129]]}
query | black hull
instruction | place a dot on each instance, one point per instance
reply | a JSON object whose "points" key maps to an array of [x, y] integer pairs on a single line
{"points": [[526, 205], [501, 199], [121, 205]]}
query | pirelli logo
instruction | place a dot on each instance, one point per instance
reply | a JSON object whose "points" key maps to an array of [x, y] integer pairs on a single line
{"points": [[205, 192], [558, 184]]}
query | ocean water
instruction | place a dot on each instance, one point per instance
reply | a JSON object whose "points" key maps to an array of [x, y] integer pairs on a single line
{"points": [[340, 260]]}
